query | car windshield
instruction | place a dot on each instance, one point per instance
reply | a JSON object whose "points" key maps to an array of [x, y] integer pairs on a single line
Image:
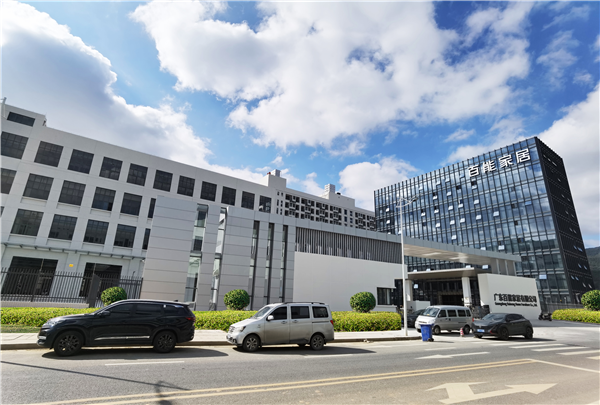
{"points": [[431, 312], [262, 312], [494, 317]]}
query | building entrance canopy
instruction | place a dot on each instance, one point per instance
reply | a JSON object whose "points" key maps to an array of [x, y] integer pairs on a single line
{"points": [[446, 274]]}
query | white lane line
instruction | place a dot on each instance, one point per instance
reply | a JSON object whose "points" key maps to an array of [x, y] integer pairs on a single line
{"points": [[584, 352], [316, 356], [555, 348], [594, 358], [442, 348], [514, 343], [143, 362], [530, 347]]}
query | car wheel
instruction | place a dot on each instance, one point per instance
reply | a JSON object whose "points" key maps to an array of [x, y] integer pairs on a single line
{"points": [[164, 341], [466, 329], [68, 343], [251, 343], [529, 333], [436, 330], [478, 336], [503, 334], [418, 330], [317, 342]]}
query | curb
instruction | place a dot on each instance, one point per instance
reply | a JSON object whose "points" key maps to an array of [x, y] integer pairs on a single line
{"points": [[25, 346]]}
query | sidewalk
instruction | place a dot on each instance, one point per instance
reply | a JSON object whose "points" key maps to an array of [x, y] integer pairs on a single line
{"points": [[21, 341]]}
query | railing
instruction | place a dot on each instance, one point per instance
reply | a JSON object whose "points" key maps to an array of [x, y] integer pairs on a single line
{"points": [[549, 307], [41, 285]]}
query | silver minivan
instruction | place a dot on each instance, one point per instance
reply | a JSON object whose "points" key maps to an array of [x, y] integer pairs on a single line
{"points": [[446, 317], [298, 323]]}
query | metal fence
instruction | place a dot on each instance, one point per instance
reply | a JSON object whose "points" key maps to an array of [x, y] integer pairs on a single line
{"points": [[41, 285], [547, 307]]}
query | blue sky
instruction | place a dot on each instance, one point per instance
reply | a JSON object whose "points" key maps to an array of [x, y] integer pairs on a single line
{"points": [[361, 95]]}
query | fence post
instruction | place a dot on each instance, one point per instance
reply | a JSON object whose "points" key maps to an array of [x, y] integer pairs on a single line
{"points": [[93, 294], [37, 279]]}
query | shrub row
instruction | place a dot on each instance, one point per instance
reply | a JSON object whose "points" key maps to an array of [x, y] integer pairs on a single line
{"points": [[212, 320], [577, 315]]}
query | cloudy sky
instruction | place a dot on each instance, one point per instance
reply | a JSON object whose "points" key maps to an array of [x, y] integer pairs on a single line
{"points": [[361, 95]]}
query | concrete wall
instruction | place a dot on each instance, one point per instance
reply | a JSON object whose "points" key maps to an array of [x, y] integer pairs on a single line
{"points": [[334, 280], [509, 294]]}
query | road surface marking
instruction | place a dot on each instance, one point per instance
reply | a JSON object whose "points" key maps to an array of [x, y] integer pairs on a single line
{"points": [[522, 344], [565, 366], [529, 347], [594, 358], [447, 356], [555, 348], [584, 352], [442, 348], [214, 392], [136, 363], [461, 392]]}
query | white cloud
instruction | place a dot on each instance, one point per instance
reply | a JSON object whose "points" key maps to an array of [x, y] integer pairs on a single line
{"points": [[583, 78], [460, 135], [320, 73], [557, 57], [576, 13], [361, 179], [576, 138], [278, 161], [72, 84]]}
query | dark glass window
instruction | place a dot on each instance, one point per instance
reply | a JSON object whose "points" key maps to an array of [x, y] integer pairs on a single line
{"points": [[152, 310], [81, 161], [131, 204], [146, 239], [13, 145], [264, 204], [8, 177], [62, 227], [27, 222], [48, 154], [162, 180], [228, 196], [247, 200], [38, 187], [71, 193], [95, 232], [103, 199], [125, 236], [151, 209], [209, 191], [186, 186], [111, 168], [21, 119], [300, 312], [320, 312], [280, 313], [121, 311], [137, 174]]}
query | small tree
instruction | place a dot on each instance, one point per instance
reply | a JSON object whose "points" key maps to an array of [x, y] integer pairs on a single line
{"points": [[236, 299], [591, 300], [363, 302], [112, 295]]}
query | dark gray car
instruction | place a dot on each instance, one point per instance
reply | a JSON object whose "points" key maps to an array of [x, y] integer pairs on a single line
{"points": [[503, 326]]}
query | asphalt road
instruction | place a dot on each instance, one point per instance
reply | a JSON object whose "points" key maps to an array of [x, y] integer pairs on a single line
{"points": [[561, 365]]}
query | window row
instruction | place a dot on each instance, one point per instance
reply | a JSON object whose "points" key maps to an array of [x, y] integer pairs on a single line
{"points": [[63, 227]]}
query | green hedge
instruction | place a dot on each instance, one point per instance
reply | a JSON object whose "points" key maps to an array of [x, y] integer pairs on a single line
{"points": [[576, 315], [212, 320]]}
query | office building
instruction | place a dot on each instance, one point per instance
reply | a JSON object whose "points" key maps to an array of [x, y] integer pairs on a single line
{"points": [[515, 199]]}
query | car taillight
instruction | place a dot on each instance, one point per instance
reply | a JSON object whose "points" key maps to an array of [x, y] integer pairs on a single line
{"points": [[191, 318], [331, 321]]}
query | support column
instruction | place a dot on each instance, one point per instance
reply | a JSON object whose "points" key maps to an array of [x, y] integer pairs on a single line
{"points": [[409, 290], [466, 287]]}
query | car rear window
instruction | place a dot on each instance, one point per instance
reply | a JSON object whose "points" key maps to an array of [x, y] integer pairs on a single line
{"points": [[175, 310], [468, 312], [320, 312], [462, 312], [148, 309], [300, 312]]}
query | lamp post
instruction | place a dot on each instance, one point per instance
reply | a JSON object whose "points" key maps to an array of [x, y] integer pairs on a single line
{"points": [[404, 202]]}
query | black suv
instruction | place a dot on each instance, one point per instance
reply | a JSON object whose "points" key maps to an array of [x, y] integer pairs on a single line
{"points": [[161, 324]]}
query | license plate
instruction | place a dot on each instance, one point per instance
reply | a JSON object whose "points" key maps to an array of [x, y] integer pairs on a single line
{"points": [[480, 330]]}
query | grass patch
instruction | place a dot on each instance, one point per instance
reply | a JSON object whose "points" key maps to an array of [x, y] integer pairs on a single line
{"points": [[18, 329]]}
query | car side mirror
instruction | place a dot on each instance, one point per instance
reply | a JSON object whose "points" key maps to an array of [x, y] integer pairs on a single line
{"points": [[270, 318]]}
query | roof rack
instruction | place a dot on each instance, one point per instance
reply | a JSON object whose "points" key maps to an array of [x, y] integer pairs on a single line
{"points": [[300, 302]]}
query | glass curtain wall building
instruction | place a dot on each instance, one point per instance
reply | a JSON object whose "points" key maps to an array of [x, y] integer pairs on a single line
{"points": [[515, 199]]}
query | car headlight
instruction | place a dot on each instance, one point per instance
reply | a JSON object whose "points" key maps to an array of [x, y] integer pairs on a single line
{"points": [[239, 328], [52, 322]]}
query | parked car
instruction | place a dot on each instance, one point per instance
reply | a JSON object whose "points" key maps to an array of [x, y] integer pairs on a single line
{"points": [[503, 326], [412, 317], [445, 317], [301, 323], [161, 324]]}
